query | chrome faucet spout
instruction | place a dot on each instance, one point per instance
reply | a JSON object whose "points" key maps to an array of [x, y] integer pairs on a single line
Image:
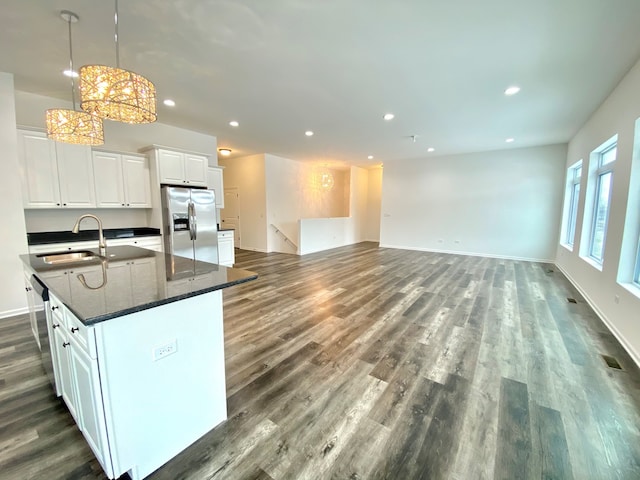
{"points": [[102, 244]]}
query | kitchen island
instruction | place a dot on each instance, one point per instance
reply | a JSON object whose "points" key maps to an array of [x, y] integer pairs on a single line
{"points": [[136, 339]]}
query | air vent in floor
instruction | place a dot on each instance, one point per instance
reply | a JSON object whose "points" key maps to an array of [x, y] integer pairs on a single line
{"points": [[612, 362], [571, 300]]}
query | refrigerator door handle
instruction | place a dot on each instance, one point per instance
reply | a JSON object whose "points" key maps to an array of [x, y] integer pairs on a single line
{"points": [[191, 220], [195, 221]]}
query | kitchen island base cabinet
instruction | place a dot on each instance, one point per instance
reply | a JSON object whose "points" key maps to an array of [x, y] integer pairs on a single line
{"points": [[163, 380]]}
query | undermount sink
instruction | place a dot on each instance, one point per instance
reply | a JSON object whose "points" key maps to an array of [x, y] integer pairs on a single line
{"points": [[68, 257]]}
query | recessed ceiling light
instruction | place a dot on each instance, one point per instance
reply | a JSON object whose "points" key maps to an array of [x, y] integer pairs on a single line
{"points": [[388, 116], [512, 90], [169, 103], [370, 157], [224, 151], [431, 149], [309, 133], [510, 140], [70, 73], [233, 123]]}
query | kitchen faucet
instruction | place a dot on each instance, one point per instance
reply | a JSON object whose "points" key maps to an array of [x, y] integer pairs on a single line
{"points": [[101, 242]]}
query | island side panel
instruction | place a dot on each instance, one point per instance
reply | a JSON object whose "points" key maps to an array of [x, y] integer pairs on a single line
{"points": [[156, 406]]}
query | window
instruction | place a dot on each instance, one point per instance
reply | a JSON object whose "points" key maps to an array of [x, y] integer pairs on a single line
{"points": [[604, 181], [574, 174]]}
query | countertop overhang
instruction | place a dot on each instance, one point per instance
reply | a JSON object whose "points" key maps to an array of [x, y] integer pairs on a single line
{"points": [[160, 279]]}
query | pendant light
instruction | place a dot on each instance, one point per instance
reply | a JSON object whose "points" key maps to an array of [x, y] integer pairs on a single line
{"points": [[73, 126], [115, 93]]}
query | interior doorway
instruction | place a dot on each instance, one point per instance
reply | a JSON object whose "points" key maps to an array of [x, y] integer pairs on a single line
{"points": [[231, 212]]}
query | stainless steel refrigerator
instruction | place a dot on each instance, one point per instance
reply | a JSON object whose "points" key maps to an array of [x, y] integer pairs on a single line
{"points": [[189, 223]]}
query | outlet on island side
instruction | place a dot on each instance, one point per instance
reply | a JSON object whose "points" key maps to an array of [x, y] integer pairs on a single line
{"points": [[165, 350]]}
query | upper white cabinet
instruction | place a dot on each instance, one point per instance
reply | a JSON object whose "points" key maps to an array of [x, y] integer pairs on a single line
{"points": [[178, 168], [215, 182], [55, 174], [121, 180]]}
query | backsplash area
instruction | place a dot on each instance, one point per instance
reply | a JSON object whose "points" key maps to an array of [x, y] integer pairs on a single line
{"points": [[49, 220]]}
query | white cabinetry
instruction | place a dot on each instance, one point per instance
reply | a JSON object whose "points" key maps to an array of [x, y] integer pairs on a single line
{"points": [[215, 183], [226, 253], [32, 305], [121, 180], [179, 168], [54, 174], [77, 372]]}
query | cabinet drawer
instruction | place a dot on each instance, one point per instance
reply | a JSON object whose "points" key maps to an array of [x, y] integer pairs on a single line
{"points": [[226, 234], [83, 336]]}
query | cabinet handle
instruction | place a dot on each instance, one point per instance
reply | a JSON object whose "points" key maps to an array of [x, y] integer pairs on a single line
{"points": [[65, 344], [74, 329], [54, 308], [56, 325], [64, 204], [57, 204], [123, 204], [28, 289]]}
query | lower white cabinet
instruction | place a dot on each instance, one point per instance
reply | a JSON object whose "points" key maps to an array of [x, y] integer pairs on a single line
{"points": [[65, 373], [226, 252], [153, 242], [90, 412]]}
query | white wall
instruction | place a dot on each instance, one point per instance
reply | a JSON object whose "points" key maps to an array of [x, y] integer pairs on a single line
{"points": [[374, 202], [14, 234], [248, 175], [617, 115], [317, 234], [501, 204]]}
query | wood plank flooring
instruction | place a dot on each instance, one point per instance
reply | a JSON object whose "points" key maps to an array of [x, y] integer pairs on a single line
{"points": [[368, 363]]}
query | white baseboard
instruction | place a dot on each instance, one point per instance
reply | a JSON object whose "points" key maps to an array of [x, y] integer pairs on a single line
{"points": [[14, 312], [612, 328], [470, 254]]}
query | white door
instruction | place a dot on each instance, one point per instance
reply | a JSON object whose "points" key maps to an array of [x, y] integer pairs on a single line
{"points": [[108, 179], [137, 181], [195, 169], [75, 173], [231, 212], [40, 188], [171, 165]]}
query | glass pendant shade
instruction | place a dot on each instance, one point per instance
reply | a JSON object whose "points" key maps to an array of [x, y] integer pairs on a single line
{"points": [[117, 94], [72, 126]]}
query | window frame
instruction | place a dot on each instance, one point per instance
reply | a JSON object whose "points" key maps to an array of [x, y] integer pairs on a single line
{"points": [[573, 193], [602, 170]]}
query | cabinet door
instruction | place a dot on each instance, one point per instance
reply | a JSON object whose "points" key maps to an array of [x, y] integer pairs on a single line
{"points": [[107, 169], [171, 166], [137, 181], [215, 183], [195, 167], [75, 174], [64, 363], [90, 411], [226, 254], [39, 169]]}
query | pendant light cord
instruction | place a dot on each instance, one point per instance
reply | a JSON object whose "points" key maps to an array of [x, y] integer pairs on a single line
{"points": [[117, 44], [72, 72]]}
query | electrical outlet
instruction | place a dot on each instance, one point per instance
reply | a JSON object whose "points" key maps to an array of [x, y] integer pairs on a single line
{"points": [[165, 350]]}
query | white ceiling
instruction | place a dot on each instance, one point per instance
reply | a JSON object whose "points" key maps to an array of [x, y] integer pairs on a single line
{"points": [[281, 67]]}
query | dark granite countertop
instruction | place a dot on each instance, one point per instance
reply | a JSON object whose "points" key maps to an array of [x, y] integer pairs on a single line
{"points": [[43, 238], [226, 229], [130, 279]]}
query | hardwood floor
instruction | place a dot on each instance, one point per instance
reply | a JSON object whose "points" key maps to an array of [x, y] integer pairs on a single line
{"points": [[367, 363]]}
